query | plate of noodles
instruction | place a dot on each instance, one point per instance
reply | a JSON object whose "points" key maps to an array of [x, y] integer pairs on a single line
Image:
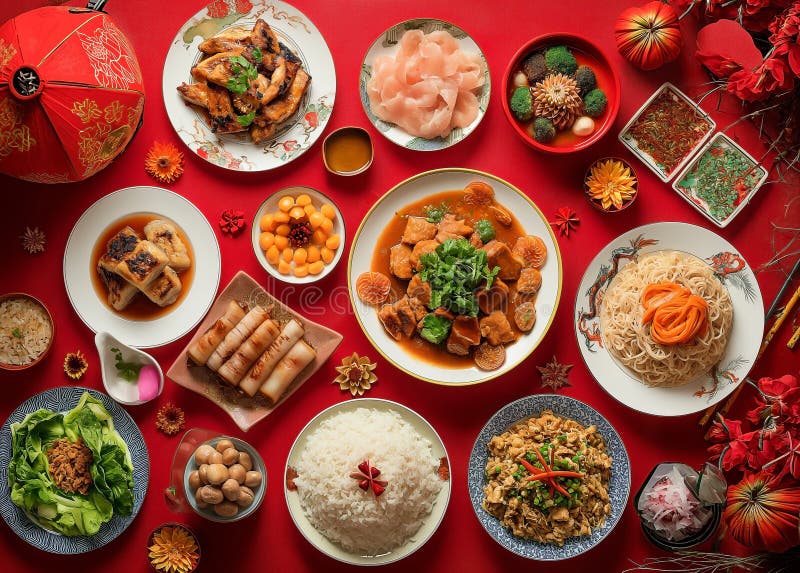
{"points": [[668, 318], [518, 507]]}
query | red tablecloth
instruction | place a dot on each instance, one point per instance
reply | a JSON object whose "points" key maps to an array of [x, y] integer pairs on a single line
{"points": [[269, 540]]}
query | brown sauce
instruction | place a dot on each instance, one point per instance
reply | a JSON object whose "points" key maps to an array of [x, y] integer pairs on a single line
{"points": [[140, 308], [348, 150], [417, 346]]}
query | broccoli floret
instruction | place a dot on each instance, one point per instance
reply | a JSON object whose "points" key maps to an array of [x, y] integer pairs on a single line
{"points": [[595, 102], [484, 229], [534, 67], [585, 78], [560, 60], [435, 328], [522, 103], [543, 130]]}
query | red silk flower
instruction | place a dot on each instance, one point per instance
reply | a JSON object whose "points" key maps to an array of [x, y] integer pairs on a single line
{"points": [[724, 47]]}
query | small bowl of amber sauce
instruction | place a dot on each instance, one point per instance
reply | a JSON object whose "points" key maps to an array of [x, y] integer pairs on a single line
{"points": [[347, 151]]}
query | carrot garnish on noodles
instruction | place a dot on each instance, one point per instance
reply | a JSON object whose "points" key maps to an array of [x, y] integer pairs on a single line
{"points": [[676, 316]]}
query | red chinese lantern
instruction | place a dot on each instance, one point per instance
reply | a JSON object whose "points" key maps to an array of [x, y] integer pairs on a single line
{"points": [[71, 94]]}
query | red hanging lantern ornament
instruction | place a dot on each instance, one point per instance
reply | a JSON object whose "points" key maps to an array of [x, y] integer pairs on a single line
{"points": [[649, 36], [71, 94]]}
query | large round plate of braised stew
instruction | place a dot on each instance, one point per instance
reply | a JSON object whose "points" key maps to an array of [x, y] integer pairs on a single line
{"points": [[143, 264], [455, 276]]}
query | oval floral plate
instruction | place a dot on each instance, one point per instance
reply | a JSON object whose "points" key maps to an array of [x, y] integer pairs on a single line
{"points": [[296, 135], [386, 45], [415, 189], [79, 266], [619, 486], [743, 343], [429, 525], [60, 400]]}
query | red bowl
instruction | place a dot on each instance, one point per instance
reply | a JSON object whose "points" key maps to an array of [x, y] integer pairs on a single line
{"points": [[38, 359], [607, 80]]}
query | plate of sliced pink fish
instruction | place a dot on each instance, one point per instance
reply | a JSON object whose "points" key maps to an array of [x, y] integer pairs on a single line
{"points": [[425, 84]]}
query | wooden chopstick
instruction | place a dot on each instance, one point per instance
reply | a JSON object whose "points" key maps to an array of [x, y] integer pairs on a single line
{"points": [[793, 340], [779, 321], [722, 410], [784, 288]]}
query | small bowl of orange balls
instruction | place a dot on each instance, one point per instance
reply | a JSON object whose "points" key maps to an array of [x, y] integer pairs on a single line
{"points": [[298, 235]]}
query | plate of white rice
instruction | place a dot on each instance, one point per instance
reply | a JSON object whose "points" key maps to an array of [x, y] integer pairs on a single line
{"points": [[352, 524]]}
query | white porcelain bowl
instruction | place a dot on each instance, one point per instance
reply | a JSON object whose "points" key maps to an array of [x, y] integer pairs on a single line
{"points": [[270, 205]]}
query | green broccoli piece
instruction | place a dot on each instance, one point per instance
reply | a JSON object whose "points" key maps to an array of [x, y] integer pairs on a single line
{"points": [[435, 328], [484, 229], [585, 78], [522, 103], [560, 60], [595, 102], [543, 130]]}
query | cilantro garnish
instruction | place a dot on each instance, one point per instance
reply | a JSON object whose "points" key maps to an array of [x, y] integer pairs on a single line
{"points": [[127, 370], [455, 270], [247, 119], [435, 213], [243, 73], [16, 333]]}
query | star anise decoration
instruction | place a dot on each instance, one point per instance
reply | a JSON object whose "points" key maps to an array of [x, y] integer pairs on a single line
{"points": [[367, 476], [566, 220], [554, 374], [356, 374], [33, 240]]}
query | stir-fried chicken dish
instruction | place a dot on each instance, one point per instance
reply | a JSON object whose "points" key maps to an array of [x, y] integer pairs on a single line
{"points": [[547, 479], [247, 80], [465, 276]]}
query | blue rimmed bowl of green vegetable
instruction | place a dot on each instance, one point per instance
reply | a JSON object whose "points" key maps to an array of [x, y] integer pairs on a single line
{"points": [[36, 506]]}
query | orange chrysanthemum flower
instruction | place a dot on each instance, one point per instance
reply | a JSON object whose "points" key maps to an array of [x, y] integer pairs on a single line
{"points": [[610, 183], [75, 365], [164, 162], [170, 419], [174, 549]]}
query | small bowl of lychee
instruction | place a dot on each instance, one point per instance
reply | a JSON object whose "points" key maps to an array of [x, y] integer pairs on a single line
{"points": [[225, 479], [561, 93]]}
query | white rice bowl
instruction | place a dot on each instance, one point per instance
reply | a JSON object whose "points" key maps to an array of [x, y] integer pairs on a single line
{"points": [[344, 513]]}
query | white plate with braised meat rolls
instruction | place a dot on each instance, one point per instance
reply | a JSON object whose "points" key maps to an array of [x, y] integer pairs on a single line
{"points": [[455, 276], [251, 352], [142, 263]]}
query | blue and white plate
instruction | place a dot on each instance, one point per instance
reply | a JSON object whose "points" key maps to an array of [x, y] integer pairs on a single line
{"points": [[619, 486], [60, 400]]}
